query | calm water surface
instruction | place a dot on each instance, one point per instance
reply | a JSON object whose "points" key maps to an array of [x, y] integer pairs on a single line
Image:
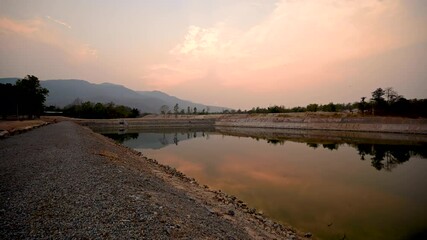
{"points": [[334, 190]]}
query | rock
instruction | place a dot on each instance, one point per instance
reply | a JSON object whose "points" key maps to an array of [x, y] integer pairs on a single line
{"points": [[308, 235], [231, 212], [4, 133]]}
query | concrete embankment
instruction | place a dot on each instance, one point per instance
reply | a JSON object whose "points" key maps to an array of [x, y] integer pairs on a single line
{"points": [[335, 123], [325, 137], [152, 121]]}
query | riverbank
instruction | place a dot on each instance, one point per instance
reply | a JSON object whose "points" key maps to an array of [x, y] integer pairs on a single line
{"points": [[298, 121], [10, 128], [65, 181]]}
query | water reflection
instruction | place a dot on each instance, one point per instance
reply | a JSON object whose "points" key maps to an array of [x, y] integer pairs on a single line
{"points": [[323, 185], [156, 140], [121, 137], [382, 156]]}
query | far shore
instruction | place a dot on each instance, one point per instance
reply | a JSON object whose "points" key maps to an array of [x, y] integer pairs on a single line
{"points": [[301, 121], [240, 123]]}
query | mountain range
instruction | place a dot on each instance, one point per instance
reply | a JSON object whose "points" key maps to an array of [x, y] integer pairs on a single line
{"points": [[65, 92]]}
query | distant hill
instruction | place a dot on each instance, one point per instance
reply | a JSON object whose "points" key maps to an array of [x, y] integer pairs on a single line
{"points": [[64, 92]]}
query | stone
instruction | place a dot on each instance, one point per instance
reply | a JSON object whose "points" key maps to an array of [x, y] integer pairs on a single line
{"points": [[308, 235]]}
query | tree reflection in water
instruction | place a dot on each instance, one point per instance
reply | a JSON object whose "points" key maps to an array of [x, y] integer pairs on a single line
{"points": [[387, 157], [383, 156], [121, 137]]}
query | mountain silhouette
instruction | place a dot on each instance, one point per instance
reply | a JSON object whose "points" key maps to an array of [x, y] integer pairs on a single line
{"points": [[65, 92]]}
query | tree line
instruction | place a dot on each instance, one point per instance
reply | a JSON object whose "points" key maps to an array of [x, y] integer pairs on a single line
{"points": [[25, 98], [384, 102], [98, 110], [164, 109]]}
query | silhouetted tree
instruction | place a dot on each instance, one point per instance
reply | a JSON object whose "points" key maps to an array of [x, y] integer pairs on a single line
{"points": [[31, 96], [164, 109], [176, 109], [391, 95], [312, 107], [99, 110], [362, 105], [8, 100]]}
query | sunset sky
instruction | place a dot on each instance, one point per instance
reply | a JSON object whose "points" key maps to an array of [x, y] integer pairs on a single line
{"points": [[234, 53]]}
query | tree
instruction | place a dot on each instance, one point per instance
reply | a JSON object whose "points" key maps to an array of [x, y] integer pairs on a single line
{"points": [[195, 110], [164, 109], [188, 110], [176, 109], [31, 96], [135, 113], [330, 107], [100, 111], [378, 94], [362, 105], [379, 104], [312, 107], [391, 95]]}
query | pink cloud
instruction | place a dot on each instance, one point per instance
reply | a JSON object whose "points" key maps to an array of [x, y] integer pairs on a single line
{"points": [[28, 27], [39, 30], [298, 44]]}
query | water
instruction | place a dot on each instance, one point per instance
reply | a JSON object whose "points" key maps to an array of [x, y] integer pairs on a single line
{"points": [[337, 187]]}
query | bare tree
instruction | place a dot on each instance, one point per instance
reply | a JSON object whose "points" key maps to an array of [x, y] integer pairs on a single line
{"points": [[391, 95], [164, 109]]}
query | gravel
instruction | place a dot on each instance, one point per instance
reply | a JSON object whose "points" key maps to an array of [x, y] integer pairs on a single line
{"points": [[64, 181]]}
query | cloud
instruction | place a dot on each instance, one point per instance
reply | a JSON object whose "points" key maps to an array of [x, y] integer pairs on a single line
{"points": [[59, 22], [297, 45], [8, 25], [37, 30], [198, 40]]}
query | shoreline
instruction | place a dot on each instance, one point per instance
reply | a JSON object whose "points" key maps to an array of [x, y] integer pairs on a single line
{"points": [[307, 121], [218, 203], [235, 216], [217, 200]]}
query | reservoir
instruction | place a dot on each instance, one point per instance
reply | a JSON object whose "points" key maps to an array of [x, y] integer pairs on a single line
{"points": [[334, 185]]}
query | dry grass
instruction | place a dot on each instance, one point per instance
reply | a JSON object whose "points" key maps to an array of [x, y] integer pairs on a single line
{"points": [[13, 125]]}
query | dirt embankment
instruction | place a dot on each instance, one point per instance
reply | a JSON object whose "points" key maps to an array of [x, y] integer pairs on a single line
{"points": [[9, 128], [65, 181]]}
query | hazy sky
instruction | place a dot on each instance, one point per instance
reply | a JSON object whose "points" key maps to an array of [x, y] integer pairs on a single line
{"points": [[236, 53]]}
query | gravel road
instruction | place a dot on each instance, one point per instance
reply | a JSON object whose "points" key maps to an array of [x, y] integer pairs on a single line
{"points": [[64, 181]]}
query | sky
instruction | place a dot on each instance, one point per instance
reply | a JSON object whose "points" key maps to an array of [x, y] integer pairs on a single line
{"points": [[239, 54]]}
